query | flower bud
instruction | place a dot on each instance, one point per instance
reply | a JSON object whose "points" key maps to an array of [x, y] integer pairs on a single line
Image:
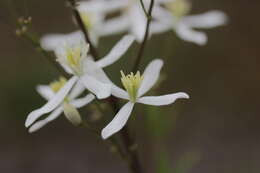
{"points": [[72, 114]]}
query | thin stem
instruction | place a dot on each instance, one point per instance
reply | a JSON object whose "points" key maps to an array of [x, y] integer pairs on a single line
{"points": [[36, 44], [143, 7], [143, 44], [111, 142], [80, 23]]}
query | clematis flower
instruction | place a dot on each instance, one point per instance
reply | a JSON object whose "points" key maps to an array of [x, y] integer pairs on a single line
{"points": [[72, 55], [175, 15], [136, 86], [61, 99], [132, 18]]}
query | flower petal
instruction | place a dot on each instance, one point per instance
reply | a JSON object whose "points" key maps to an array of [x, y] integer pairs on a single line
{"points": [[100, 89], [78, 103], [162, 100], [101, 6], [118, 50], [51, 42], [206, 20], [188, 34], [118, 92], [119, 121], [151, 75], [76, 91], [52, 103], [138, 22], [39, 124], [45, 91], [115, 25]]}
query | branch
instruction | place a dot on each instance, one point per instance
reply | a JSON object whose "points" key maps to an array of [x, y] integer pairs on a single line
{"points": [[80, 23], [143, 44]]}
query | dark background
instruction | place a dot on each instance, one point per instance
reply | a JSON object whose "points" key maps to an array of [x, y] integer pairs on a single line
{"points": [[220, 123]]}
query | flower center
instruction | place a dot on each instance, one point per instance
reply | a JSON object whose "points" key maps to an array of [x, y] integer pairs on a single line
{"points": [[179, 8], [58, 84], [86, 18], [131, 83], [74, 56]]}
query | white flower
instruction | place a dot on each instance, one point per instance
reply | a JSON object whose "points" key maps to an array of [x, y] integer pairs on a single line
{"points": [[72, 55], [132, 18], [61, 98], [175, 16], [136, 86]]}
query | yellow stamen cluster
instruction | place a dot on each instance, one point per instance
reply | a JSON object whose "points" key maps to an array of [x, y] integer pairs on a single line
{"points": [[57, 85], [86, 18], [131, 83], [179, 8]]}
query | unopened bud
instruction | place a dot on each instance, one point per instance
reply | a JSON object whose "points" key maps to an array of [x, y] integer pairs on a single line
{"points": [[72, 114]]}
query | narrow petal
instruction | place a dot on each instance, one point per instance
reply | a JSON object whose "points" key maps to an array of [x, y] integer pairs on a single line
{"points": [[115, 25], [51, 42], [151, 75], [186, 33], [162, 100], [118, 92], [100, 89], [118, 50], [138, 22], [45, 91], [206, 20], [101, 6], [39, 124], [119, 121], [78, 103], [51, 104], [93, 69], [77, 90]]}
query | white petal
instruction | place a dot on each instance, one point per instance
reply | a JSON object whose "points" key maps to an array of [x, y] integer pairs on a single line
{"points": [[188, 34], [119, 121], [162, 100], [93, 69], [101, 6], [45, 91], [138, 22], [100, 89], [115, 25], [118, 92], [77, 90], [209, 19], [51, 42], [72, 114], [117, 51], [39, 124], [151, 75], [53, 103], [78, 103]]}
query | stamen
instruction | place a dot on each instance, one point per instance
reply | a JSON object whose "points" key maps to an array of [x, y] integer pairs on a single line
{"points": [[58, 84], [131, 83]]}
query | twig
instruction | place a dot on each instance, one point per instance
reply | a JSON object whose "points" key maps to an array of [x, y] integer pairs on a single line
{"points": [[143, 44], [143, 7], [80, 23], [35, 42]]}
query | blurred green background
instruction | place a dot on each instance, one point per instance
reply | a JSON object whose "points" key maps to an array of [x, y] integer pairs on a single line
{"points": [[216, 131]]}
